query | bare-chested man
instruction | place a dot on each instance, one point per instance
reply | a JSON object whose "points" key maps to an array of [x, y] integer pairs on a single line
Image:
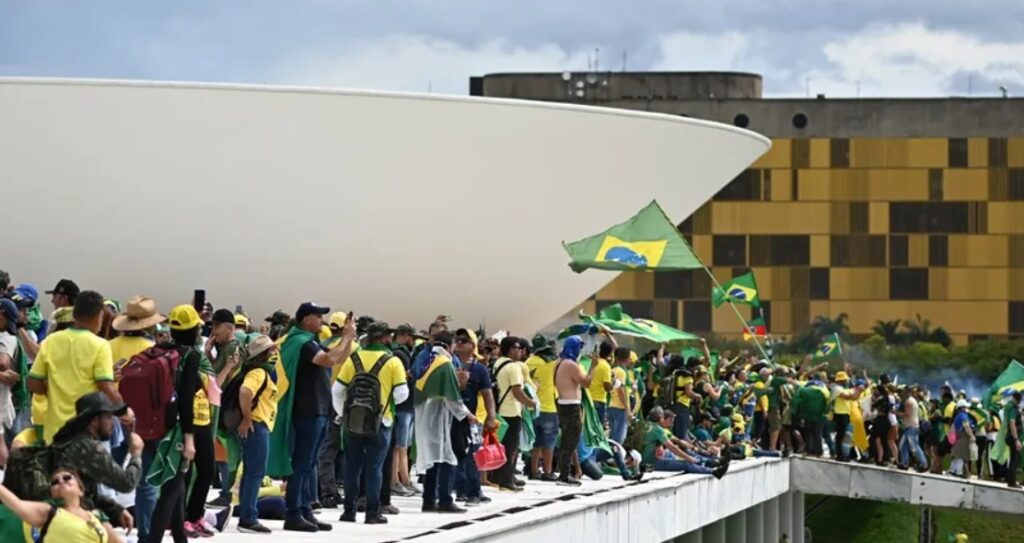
{"points": [[569, 377]]}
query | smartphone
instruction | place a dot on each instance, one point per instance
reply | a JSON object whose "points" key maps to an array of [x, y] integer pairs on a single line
{"points": [[350, 315], [199, 299], [238, 309]]}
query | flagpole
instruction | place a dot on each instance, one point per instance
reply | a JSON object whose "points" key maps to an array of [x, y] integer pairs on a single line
{"points": [[740, 317]]}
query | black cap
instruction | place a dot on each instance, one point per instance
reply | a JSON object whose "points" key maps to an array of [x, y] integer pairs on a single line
{"points": [[279, 317], [377, 329], [406, 329], [310, 308], [222, 316], [66, 287]]}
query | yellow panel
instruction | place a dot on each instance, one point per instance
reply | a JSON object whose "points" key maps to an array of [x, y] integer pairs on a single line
{"points": [[957, 251], [859, 283], [724, 319], [964, 317], [849, 184], [866, 153], [897, 153], [782, 317], [960, 339], [820, 153], [927, 153], [987, 251], [770, 218], [1006, 217], [976, 283], [643, 285], [1015, 152], [964, 184], [702, 246], [780, 285], [878, 217], [721, 273], [819, 307], [820, 255], [938, 281], [776, 157], [782, 185], [765, 285], [977, 152], [863, 314], [917, 248], [589, 307], [815, 185], [899, 185]]}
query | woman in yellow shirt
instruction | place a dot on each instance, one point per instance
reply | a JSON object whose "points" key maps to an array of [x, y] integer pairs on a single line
{"points": [[69, 523]]}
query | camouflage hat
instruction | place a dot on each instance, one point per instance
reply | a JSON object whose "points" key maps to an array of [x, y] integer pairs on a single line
{"points": [[90, 405], [540, 345], [377, 329]]}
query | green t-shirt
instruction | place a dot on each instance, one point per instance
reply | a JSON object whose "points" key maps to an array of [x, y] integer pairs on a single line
{"points": [[1012, 412], [775, 392], [224, 353], [655, 438]]}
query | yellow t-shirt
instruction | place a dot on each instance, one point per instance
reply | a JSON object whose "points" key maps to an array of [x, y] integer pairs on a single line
{"points": [[329, 344], [391, 375], [842, 406], [201, 403], [542, 373], [681, 382], [602, 377], [266, 405], [509, 376], [71, 362], [70, 528], [27, 437], [618, 374], [125, 347]]}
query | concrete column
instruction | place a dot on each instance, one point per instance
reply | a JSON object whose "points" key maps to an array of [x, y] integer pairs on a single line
{"points": [[771, 521], [755, 524], [692, 537], [798, 518], [736, 528], [714, 532], [786, 516]]}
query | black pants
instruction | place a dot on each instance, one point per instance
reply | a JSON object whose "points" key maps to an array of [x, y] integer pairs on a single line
{"points": [[385, 482], [812, 437], [170, 511], [203, 466], [570, 422], [1011, 473], [842, 422], [505, 475], [327, 463]]}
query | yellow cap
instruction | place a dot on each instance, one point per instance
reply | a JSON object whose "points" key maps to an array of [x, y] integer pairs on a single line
{"points": [[241, 320], [338, 319], [633, 357], [841, 376], [183, 317], [325, 332]]}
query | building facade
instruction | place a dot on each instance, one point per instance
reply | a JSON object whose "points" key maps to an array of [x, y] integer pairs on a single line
{"points": [[882, 209]]}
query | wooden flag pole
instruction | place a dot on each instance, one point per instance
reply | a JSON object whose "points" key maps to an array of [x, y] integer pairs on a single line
{"points": [[740, 317]]}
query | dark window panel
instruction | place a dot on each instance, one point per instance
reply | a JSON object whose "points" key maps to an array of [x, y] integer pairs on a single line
{"points": [[697, 316], [1015, 184], [686, 226], [780, 250], [740, 270], [938, 250], [977, 217], [858, 217], [819, 284], [667, 311], [765, 311], [674, 284], [641, 309], [935, 185], [1016, 317], [766, 185], [729, 250], [908, 283], [701, 285], [899, 251], [957, 152], [800, 153], [839, 152], [997, 152], [857, 250], [928, 217], [998, 184], [476, 86], [795, 182], [744, 187]]}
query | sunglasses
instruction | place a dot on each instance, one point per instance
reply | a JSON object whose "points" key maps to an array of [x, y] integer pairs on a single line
{"points": [[66, 478], [462, 340]]}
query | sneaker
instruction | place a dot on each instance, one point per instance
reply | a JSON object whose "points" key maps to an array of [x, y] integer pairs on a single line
{"points": [[348, 516], [449, 508], [429, 508], [376, 519], [399, 490], [470, 502], [720, 472], [568, 482], [254, 528], [202, 528], [484, 499], [219, 501], [321, 526], [549, 478], [223, 516], [512, 488], [460, 498], [190, 532], [389, 509], [299, 524], [416, 490]]}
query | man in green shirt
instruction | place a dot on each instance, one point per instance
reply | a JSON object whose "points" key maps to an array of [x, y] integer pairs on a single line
{"points": [[1014, 434], [810, 403]]}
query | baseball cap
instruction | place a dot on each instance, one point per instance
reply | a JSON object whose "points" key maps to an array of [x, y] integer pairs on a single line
{"points": [[310, 308], [338, 319], [278, 317], [222, 316], [407, 329], [25, 295], [377, 329], [241, 320], [66, 287], [183, 317], [10, 311]]}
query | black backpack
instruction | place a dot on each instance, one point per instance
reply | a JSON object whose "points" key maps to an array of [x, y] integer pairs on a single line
{"points": [[363, 412], [494, 379], [231, 397], [667, 390]]}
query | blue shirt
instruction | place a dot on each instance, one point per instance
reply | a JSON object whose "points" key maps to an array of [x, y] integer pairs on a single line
{"points": [[960, 420], [702, 434], [479, 379]]}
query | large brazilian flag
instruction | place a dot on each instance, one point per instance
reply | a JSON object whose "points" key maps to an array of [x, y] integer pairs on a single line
{"points": [[280, 463]]}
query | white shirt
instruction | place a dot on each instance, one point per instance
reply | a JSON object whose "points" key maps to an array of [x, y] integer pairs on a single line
{"points": [[911, 420]]}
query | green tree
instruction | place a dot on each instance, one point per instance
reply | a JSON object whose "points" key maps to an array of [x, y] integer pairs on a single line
{"points": [[889, 331], [921, 331], [823, 326]]}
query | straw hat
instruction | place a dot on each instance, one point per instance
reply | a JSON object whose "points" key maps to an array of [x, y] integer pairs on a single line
{"points": [[139, 314], [260, 344]]}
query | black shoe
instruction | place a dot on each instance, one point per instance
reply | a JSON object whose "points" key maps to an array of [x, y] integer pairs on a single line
{"points": [[322, 526], [254, 528], [786, 453], [348, 516], [484, 499], [719, 472], [376, 519], [449, 508], [299, 524], [361, 505], [519, 482], [565, 481], [472, 501], [223, 516], [389, 509], [429, 508], [549, 478], [219, 501], [330, 502], [460, 498], [315, 506]]}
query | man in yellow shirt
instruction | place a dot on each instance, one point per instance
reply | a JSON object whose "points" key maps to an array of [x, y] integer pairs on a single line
{"points": [[618, 406], [844, 397], [684, 395], [511, 398], [601, 385], [366, 453], [258, 402], [72, 363], [542, 370]]}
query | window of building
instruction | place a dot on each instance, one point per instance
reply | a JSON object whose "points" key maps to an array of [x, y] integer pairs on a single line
{"points": [[674, 284], [780, 250], [839, 152], [938, 250], [741, 120], [858, 217], [935, 184], [799, 121], [765, 312], [766, 185], [1015, 184], [857, 251], [744, 187], [697, 316], [908, 283], [957, 152], [819, 284], [729, 250], [899, 253], [1016, 317], [928, 217], [997, 151]]}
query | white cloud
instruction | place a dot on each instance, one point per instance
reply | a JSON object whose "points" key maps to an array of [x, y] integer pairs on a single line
{"points": [[686, 51]]}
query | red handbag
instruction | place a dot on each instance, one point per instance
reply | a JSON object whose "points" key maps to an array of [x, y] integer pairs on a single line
{"points": [[491, 454]]}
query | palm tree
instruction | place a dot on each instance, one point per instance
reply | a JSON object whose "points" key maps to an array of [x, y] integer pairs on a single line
{"points": [[921, 331], [889, 331], [823, 326]]}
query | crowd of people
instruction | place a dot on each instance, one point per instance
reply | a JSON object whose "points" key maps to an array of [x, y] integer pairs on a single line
{"points": [[120, 416]]}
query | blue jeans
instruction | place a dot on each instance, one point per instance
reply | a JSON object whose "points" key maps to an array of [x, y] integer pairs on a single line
{"points": [[681, 426], [365, 454], [619, 423], [672, 464], [301, 492], [591, 467], [403, 429], [467, 477], [255, 451], [602, 411], [437, 485], [145, 494], [910, 443]]}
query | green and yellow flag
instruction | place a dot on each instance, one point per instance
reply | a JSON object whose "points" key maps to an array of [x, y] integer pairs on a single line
{"points": [[741, 289], [648, 241], [280, 462], [437, 381], [1012, 378], [829, 347]]}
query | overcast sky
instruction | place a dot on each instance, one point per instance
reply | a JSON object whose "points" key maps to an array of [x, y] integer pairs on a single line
{"points": [[886, 47]]}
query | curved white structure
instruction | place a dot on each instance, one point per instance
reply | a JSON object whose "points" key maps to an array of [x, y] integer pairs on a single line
{"points": [[400, 206]]}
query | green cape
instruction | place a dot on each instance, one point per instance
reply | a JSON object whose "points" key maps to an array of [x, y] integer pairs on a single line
{"points": [[280, 462]]}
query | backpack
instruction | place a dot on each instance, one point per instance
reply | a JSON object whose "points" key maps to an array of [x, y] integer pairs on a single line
{"points": [[28, 471], [363, 412], [667, 391], [494, 379], [147, 386], [231, 398], [636, 434]]}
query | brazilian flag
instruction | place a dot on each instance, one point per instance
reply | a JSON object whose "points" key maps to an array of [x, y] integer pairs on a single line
{"points": [[829, 348], [1010, 380], [648, 241], [741, 289]]}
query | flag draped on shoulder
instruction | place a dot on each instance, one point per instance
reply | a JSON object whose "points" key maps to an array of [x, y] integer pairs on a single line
{"points": [[741, 289], [280, 461], [648, 241], [1012, 378], [438, 380], [829, 347]]}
